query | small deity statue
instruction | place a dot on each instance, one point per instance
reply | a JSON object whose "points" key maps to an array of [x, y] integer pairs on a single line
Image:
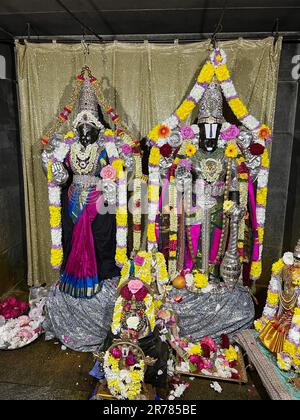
{"points": [[206, 226], [134, 320], [279, 327]]}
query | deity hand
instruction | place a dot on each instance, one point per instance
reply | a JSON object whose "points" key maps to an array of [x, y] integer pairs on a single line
{"points": [[60, 173]]}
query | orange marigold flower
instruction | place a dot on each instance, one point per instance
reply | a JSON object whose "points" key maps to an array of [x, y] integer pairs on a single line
{"points": [[264, 132], [164, 131]]}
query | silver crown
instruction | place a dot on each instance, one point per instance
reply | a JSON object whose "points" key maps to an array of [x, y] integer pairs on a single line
{"points": [[297, 251], [87, 99], [211, 106]]}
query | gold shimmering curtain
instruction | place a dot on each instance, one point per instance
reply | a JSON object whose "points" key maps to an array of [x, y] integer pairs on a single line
{"points": [[144, 82]]}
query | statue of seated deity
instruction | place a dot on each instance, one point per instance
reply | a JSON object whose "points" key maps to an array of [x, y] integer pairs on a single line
{"points": [[279, 327], [134, 331], [207, 209]]}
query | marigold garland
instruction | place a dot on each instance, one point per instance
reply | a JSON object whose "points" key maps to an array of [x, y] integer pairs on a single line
{"points": [[119, 388]]}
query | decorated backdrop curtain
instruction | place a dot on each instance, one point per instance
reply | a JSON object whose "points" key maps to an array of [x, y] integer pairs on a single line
{"points": [[144, 82]]}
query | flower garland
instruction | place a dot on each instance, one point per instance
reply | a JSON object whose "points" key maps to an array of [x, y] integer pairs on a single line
{"points": [[262, 134], [261, 204], [54, 193], [126, 383], [144, 264], [173, 244], [243, 178]]}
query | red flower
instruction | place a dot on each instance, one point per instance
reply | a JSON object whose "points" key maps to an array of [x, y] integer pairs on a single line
{"points": [[126, 293], [166, 150], [257, 149], [225, 341], [242, 169], [205, 350], [141, 294], [233, 364], [235, 376]]}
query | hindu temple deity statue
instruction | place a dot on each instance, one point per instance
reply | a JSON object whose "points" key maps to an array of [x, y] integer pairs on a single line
{"points": [[89, 237], [204, 166], [82, 179], [279, 327]]}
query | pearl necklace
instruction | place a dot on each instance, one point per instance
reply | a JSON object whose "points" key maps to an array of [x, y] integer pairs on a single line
{"points": [[83, 160]]}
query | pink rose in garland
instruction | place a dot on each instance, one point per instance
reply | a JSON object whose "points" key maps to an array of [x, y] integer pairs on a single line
{"points": [[126, 149], [187, 132], [108, 173], [134, 286], [230, 133], [138, 260]]}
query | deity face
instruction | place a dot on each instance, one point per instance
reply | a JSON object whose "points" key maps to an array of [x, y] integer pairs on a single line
{"points": [[88, 134], [209, 134]]}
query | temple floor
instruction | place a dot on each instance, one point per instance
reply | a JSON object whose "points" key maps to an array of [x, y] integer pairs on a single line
{"points": [[43, 371]]}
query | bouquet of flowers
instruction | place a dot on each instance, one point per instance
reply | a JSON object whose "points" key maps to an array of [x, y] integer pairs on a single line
{"points": [[17, 329], [13, 308]]}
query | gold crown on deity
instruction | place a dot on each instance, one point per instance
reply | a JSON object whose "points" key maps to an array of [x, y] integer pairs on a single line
{"points": [[211, 106], [297, 250]]}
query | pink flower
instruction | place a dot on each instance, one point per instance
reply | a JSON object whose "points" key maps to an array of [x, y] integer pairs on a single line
{"points": [[116, 352], [12, 301], [209, 342], [109, 173], [186, 163], [23, 306], [134, 286], [126, 149], [139, 260], [130, 360], [208, 364], [187, 132], [230, 133], [27, 335], [194, 359]]}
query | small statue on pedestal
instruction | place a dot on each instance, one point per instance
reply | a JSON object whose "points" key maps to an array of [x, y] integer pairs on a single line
{"points": [[279, 327]]}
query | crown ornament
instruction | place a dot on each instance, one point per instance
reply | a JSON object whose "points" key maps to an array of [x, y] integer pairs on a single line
{"points": [[211, 106], [87, 107]]}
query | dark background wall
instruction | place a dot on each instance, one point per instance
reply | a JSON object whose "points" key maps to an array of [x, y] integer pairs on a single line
{"points": [[12, 226]]}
